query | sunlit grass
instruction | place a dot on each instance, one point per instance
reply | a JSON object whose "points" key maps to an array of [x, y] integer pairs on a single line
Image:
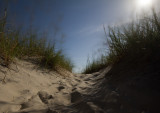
{"points": [[15, 44]]}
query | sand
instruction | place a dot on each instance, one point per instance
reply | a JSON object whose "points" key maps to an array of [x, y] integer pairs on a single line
{"points": [[122, 88], [28, 88]]}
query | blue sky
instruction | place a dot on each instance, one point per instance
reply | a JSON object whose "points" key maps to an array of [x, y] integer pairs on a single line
{"points": [[79, 21]]}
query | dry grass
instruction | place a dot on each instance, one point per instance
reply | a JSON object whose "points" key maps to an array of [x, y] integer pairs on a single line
{"points": [[14, 43]]}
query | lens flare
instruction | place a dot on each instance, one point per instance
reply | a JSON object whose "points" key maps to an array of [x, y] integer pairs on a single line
{"points": [[144, 3]]}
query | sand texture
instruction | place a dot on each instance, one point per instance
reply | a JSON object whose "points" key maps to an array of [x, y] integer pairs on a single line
{"points": [[27, 88]]}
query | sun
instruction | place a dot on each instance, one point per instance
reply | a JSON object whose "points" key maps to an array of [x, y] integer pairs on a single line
{"points": [[144, 3]]}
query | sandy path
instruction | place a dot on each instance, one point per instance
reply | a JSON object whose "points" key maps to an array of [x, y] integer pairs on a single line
{"points": [[29, 89]]}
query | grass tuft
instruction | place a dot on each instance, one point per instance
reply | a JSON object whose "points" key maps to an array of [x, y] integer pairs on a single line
{"points": [[95, 65], [15, 44], [139, 39]]}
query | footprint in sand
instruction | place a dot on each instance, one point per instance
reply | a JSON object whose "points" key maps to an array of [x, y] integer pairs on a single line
{"points": [[77, 80], [87, 79], [26, 91], [60, 88], [44, 96]]}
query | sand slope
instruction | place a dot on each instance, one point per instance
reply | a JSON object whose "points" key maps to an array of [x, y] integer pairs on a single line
{"points": [[29, 89], [124, 88]]}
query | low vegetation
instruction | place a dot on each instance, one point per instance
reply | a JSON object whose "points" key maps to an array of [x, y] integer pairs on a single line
{"points": [[95, 65], [137, 40], [15, 43]]}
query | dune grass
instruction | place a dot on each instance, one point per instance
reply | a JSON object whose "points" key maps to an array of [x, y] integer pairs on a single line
{"points": [[95, 65], [139, 39], [15, 44]]}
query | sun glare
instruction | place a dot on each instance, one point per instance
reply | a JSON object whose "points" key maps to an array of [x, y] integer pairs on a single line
{"points": [[144, 3]]}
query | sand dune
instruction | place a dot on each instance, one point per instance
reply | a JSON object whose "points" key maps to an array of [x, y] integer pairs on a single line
{"points": [[30, 89], [123, 88]]}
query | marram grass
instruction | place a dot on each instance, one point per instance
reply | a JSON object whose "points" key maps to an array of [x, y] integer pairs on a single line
{"points": [[15, 44], [134, 40]]}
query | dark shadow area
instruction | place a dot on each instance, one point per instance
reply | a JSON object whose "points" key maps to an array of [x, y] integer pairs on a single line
{"points": [[131, 86]]}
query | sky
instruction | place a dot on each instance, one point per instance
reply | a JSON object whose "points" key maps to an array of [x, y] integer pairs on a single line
{"points": [[76, 25]]}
